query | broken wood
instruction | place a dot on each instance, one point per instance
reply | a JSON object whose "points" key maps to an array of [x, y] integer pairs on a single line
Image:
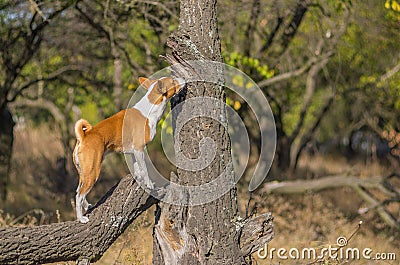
{"points": [[256, 232]]}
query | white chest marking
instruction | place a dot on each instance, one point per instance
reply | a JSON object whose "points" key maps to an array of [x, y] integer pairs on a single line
{"points": [[150, 111]]}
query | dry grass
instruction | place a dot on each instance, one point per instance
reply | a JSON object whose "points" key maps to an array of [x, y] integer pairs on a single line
{"points": [[313, 221]]}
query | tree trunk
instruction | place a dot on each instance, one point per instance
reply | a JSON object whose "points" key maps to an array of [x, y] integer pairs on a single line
{"points": [[283, 153], [6, 145], [207, 233], [211, 233]]}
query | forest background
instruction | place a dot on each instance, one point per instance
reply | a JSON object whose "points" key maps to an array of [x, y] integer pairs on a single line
{"points": [[330, 70]]}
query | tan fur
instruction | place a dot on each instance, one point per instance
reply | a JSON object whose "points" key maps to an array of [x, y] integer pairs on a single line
{"points": [[167, 87], [81, 127], [155, 97], [107, 136], [125, 131]]}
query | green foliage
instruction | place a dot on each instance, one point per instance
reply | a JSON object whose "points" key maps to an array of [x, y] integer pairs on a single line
{"points": [[248, 64], [90, 112], [392, 5], [251, 66]]}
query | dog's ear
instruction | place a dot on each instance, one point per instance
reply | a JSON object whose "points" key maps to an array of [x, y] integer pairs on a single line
{"points": [[160, 87], [144, 82]]}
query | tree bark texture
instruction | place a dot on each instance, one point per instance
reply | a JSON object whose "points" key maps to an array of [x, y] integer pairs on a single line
{"points": [[208, 233], [72, 240]]}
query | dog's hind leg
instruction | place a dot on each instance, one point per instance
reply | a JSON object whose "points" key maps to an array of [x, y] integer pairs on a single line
{"points": [[86, 205], [80, 200], [81, 192]]}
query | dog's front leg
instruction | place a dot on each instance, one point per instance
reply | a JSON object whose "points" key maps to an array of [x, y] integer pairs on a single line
{"points": [[141, 169]]}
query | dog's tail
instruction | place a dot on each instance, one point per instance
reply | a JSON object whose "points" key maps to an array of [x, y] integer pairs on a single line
{"points": [[81, 128]]}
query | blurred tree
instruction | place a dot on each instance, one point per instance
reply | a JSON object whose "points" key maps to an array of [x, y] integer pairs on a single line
{"points": [[368, 96], [95, 51], [296, 89], [305, 55], [22, 26]]}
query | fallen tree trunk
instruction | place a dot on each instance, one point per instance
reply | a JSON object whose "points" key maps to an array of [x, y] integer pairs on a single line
{"points": [[359, 185], [314, 185], [72, 240]]}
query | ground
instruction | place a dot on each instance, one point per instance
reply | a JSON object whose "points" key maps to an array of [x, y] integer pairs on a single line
{"points": [[301, 221]]}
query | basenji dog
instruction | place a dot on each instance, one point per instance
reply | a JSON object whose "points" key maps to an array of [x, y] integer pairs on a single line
{"points": [[127, 131]]}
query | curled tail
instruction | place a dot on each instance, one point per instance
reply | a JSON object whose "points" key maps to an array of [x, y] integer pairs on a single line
{"points": [[81, 128]]}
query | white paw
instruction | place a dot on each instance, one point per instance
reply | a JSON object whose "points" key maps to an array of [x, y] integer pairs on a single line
{"points": [[83, 220]]}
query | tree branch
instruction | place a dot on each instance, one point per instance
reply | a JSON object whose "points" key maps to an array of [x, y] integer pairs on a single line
{"points": [[287, 75], [390, 73], [307, 136], [72, 240], [357, 184], [50, 77], [113, 42], [251, 26], [41, 103], [311, 84], [163, 7]]}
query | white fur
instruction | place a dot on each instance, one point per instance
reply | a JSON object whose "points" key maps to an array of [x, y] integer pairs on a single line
{"points": [[153, 114]]}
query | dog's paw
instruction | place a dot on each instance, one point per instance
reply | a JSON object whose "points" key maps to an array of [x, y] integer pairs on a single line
{"points": [[83, 220]]}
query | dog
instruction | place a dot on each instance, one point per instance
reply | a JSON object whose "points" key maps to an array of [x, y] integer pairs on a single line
{"points": [[127, 131]]}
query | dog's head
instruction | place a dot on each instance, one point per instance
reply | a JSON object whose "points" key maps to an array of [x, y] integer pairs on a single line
{"points": [[161, 89]]}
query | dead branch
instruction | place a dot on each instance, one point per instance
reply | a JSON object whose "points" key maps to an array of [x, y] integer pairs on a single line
{"points": [[51, 77], [360, 186], [72, 240], [43, 104], [288, 75], [390, 73]]}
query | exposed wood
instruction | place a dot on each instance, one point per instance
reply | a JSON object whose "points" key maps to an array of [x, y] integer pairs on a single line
{"points": [[255, 233], [72, 240]]}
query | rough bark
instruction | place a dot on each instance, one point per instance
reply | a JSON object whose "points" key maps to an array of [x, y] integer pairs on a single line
{"points": [[72, 240], [208, 233], [255, 233]]}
